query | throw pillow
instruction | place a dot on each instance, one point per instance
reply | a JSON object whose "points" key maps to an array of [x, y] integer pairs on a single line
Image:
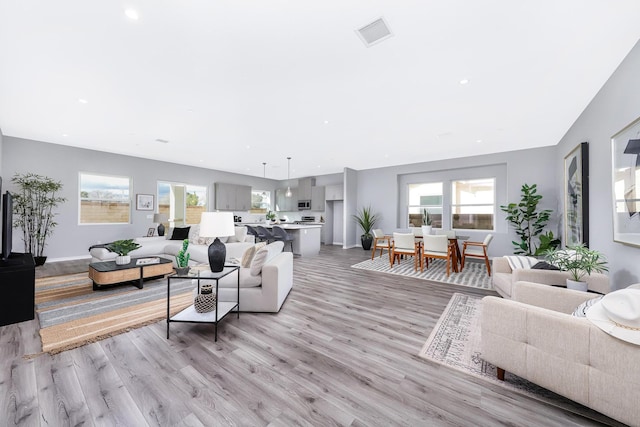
{"points": [[248, 255], [241, 234], [518, 261], [180, 233], [542, 265], [581, 310]]}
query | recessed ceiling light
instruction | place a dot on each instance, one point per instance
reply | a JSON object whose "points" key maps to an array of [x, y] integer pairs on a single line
{"points": [[65, 135], [248, 147], [131, 14], [464, 81], [478, 140], [326, 122], [82, 101]]}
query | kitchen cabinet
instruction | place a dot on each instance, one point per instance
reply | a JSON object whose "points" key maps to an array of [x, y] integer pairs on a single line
{"points": [[304, 188], [317, 199], [334, 192], [232, 197], [284, 203]]}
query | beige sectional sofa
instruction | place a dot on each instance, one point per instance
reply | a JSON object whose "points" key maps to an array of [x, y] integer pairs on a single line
{"points": [[535, 337], [504, 278]]}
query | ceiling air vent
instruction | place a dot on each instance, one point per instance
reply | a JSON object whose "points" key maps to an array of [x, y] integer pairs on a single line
{"points": [[374, 32], [162, 141]]}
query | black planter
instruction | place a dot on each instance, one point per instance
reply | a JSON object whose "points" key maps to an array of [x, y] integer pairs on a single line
{"points": [[366, 240], [39, 260]]}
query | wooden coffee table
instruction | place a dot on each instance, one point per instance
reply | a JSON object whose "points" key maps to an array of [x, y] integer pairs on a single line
{"points": [[109, 273]]}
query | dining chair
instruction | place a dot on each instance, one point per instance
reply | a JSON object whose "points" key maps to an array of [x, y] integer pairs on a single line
{"points": [[477, 250], [404, 244], [281, 234], [380, 241], [252, 231], [417, 231], [437, 246]]}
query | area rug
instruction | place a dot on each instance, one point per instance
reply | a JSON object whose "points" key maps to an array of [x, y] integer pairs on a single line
{"points": [[72, 314], [455, 342], [474, 274]]}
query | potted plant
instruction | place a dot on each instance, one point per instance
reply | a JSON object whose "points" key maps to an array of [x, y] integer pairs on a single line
{"points": [[33, 205], [366, 219], [122, 248], [529, 223], [426, 222], [182, 259], [579, 261], [271, 216]]}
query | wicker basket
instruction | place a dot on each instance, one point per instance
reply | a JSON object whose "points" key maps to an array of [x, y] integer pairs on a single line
{"points": [[205, 301]]}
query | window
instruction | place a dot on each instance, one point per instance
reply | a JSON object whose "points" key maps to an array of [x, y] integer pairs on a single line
{"points": [[104, 199], [473, 204], [260, 201], [183, 204], [427, 197]]}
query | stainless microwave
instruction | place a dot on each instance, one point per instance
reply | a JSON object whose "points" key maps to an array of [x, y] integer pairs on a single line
{"points": [[304, 205]]}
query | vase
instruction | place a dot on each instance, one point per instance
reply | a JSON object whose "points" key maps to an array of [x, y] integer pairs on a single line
{"points": [[426, 230], [205, 301], [123, 259], [367, 240], [577, 286]]}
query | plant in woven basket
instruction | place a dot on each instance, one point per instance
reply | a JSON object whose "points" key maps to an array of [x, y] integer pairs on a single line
{"points": [[205, 301]]}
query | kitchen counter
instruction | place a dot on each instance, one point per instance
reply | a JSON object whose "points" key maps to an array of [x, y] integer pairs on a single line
{"points": [[306, 236]]}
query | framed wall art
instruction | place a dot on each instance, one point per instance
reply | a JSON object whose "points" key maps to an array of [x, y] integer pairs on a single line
{"points": [[576, 196], [625, 180], [144, 202]]}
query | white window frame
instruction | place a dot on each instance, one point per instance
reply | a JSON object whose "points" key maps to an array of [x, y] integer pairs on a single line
{"points": [[492, 205]]}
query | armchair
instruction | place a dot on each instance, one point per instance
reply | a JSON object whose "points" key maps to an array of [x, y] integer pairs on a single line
{"points": [[380, 241], [477, 250]]}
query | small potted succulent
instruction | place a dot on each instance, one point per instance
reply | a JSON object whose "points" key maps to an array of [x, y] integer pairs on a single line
{"points": [[122, 248], [182, 259], [426, 222], [579, 261]]}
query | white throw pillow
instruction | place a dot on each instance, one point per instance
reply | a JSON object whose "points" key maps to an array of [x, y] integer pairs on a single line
{"points": [[263, 255], [518, 261], [241, 233], [248, 255]]}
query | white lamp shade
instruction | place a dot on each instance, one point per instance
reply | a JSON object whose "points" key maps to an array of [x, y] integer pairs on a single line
{"points": [[217, 224], [160, 217]]}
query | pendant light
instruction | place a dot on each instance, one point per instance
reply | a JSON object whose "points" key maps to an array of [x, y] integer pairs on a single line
{"points": [[264, 169], [288, 193]]}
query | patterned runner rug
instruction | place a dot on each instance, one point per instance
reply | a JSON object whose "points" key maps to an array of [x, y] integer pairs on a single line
{"points": [[72, 314], [474, 274], [455, 342]]}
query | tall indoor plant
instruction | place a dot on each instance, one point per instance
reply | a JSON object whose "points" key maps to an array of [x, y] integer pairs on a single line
{"points": [[33, 206], [366, 219], [529, 223], [579, 261]]}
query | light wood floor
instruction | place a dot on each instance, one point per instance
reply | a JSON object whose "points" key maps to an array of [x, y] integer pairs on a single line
{"points": [[342, 351]]}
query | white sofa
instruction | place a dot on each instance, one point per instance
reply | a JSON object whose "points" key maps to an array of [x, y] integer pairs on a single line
{"points": [[535, 337], [504, 278], [263, 288], [166, 248]]}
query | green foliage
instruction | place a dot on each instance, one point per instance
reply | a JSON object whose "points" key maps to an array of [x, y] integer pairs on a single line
{"points": [[192, 199], [123, 247], [547, 242], [182, 259], [33, 205], [528, 222], [578, 260], [271, 215], [426, 218], [366, 219]]}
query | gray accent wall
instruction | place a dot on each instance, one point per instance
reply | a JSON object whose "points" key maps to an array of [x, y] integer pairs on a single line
{"points": [[385, 188], [63, 163], [615, 106]]}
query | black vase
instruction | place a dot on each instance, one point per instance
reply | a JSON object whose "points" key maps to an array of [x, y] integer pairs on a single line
{"points": [[367, 240], [39, 260]]}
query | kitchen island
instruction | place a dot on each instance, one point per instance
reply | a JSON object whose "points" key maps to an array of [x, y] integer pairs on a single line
{"points": [[306, 236]]}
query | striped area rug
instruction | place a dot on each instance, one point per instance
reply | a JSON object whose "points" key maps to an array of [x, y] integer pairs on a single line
{"points": [[474, 274], [72, 314]]}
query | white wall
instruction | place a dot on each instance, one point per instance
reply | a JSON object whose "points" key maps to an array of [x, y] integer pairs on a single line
{"points": [[615, 106], [62, 163], [383, 188]]}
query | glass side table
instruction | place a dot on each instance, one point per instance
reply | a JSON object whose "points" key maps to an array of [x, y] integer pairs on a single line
{"points": [[222, 308]]}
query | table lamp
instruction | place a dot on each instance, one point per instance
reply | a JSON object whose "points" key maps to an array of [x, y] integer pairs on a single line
{"points": [[217, 224], [160, 218]]}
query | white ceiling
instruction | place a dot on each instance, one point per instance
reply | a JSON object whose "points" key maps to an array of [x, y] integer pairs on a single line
{"points": [[232, 84]]}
